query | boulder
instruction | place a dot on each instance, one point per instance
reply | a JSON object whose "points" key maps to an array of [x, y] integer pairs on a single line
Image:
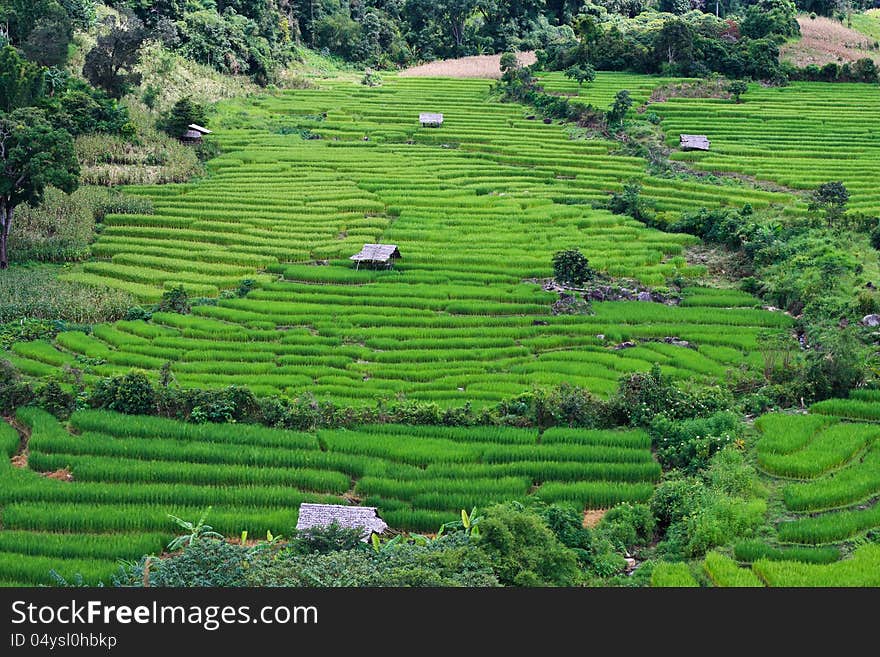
{"points": [[871, 320]]}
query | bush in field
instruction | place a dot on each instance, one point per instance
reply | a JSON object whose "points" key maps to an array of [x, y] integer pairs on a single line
{"points": [[14, 390], [322, 540], [737, 88], [831, 199], [175, 300], [630, 202], [689, 445], [695, 517], [641, 396], [838, 364], [571, 267], [230, 404], [208, 562], [627, 525], [60, 228], [581, 73], [619, 108], [177, 119], [56, 400], [371, 78], [132, 394], [451, 560], [523, 550], [675, 499], [565, 405], [566, 522]]}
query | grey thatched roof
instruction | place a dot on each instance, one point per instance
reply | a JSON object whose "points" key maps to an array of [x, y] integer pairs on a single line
{"points": [[324, 515], [426, 118], [694, 142], [198, 128], [376, 253], [191, 134]]}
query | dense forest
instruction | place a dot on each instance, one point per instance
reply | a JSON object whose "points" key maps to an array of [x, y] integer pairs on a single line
{"points": [[737, 38]]}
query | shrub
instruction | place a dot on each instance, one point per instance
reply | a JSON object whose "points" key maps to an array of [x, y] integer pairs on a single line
{"points": [[571, 267], [675, 499], [627, 525], [523, 550], [207, 562], [175, 122], [322, 540], [56, 400], [14, 391], [175, 300], [690, 444], [630, 202], [132, 394]]}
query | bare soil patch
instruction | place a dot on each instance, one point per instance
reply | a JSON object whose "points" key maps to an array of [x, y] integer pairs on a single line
{"points": [[477, 66], [593, 516], [64, 474], [824, 40]]}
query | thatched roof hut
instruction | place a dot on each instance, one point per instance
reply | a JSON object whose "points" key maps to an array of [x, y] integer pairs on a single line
{"points": [[194, 133], [353, 517], [431, 119], [694, 142], [376, 255]]}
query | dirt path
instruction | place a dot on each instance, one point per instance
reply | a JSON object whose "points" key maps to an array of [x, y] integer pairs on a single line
{"points": [[478, 66], [20, 458]]}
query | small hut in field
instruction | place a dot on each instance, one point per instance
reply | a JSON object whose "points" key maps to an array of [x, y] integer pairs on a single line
{"points": [[194, 134], [431, 119], [352, 517], [694, 142], [376, 256]]}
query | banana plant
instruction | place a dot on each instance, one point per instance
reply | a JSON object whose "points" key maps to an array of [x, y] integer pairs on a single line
{"points": [[194, 531], [469, 524], [383, 547]]}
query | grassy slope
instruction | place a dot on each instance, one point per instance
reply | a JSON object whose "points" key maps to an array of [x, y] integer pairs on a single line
{"points": [[826, 40]]}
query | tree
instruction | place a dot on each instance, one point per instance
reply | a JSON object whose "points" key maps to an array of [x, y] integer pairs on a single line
{"points": [[675, 42], [185, 111], [830, 198], [33, 155], [571, 267], [622, 104], [581, 73], [48, 39], [736, 89], [111, 63], [768, 17], [22, 83], [508, 62]]}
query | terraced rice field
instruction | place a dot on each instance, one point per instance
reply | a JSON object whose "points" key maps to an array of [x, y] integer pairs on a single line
{"points": [[130, 471], [833, 468], [477, 208], [829, 471], [799, 136]]}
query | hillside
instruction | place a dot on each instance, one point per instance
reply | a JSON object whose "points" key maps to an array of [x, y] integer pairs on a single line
{"points": [[613, 322], [825, 40]]}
